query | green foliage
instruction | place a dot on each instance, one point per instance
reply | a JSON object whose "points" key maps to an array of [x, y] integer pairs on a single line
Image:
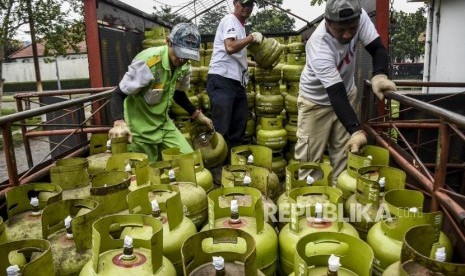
{"points": [[164, 13], [406, 28], [209, 21], [272, 21]]}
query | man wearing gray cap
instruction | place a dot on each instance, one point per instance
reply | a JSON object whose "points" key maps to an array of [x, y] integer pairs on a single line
{"points": [[327, 96], [142, 100]]}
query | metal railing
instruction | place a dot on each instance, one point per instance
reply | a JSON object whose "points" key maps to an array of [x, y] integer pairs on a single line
{"points": [[388, 130], [71, 102]]}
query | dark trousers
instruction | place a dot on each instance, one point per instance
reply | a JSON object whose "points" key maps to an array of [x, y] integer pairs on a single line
{"points": [[228, 108]]}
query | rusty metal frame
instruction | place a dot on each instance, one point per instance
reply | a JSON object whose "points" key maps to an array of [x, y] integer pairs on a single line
{"points": [[432, 184], [85, 96]]}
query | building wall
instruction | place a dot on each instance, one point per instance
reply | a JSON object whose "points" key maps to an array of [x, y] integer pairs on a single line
{"points": [[69, 67], [447, 55]]}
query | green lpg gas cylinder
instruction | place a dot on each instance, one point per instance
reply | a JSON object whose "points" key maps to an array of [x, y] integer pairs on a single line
{"points": [[372, 155], [365, 206], [268, 103], [31, 257], [154, 37], [250, 128], [67, 225], [164, 203], [2, 231], [24, 205], [326, 253], [211, 144], [203, 176], [177, 110], [255, 177], [72, 176], [263, 75], [220, 252], [290, 104], [416, 259], [99, 152], [110, 189], [180, 172], [296, 47], [312, 214], [101, 148], [260, 156], [386, 236], [296, 59], [291, 128], [134, 163], [204, 73], [278, 165], [267, 53], [233, 175], [291, 73], [321, 175], [113, 255], [195, 77], [251, 100], [250, 218], [271, 133]]}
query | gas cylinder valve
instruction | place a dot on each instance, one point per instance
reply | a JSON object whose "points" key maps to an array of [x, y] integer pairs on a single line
{"points": [[35, 206], [128, 249], [234, 212], [69, 230]]}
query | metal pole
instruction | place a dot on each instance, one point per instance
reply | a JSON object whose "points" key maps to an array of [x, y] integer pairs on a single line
{"points": [[57, 73]]}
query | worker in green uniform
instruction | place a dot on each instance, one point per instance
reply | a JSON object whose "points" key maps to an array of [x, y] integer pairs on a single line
{"points": [[141, 102]]}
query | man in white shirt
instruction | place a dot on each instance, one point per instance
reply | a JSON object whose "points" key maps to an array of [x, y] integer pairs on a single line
{"points": [[228, 74], [327, 96]]}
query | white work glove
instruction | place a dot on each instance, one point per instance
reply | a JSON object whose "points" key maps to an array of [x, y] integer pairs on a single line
{"points": [[120, 129], [357, 141], [380, 84], [202, 119], [257, 37]]}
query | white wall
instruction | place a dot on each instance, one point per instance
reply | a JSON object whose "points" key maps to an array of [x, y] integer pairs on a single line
{"points": [[69, 67], [447, 55]]}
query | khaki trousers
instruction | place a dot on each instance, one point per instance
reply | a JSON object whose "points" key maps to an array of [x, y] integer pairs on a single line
{"points": [[318, 128]]}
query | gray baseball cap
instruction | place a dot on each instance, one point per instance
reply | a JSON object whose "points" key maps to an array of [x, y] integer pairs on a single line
{"points": [[185, 38], [247, 1], [342, 10]]}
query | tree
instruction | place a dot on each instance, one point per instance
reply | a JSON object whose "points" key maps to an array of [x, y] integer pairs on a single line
{"points": [[406, 28], [209, 21], [272, 21], [58, 23], [164, 13]]}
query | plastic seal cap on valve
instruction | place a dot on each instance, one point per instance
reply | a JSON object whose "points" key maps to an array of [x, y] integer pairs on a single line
{"points": [[171, 175], [13, 270], [247, 180], [250, 159], [234, 206], [34, 202], [382, 182], [127, 242], [413, 209], [127, 168], [333, 263], [440, 254], [108, 144], [155, 206], [367, 162], [69, 234], [310, 180], [218, 262]]}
